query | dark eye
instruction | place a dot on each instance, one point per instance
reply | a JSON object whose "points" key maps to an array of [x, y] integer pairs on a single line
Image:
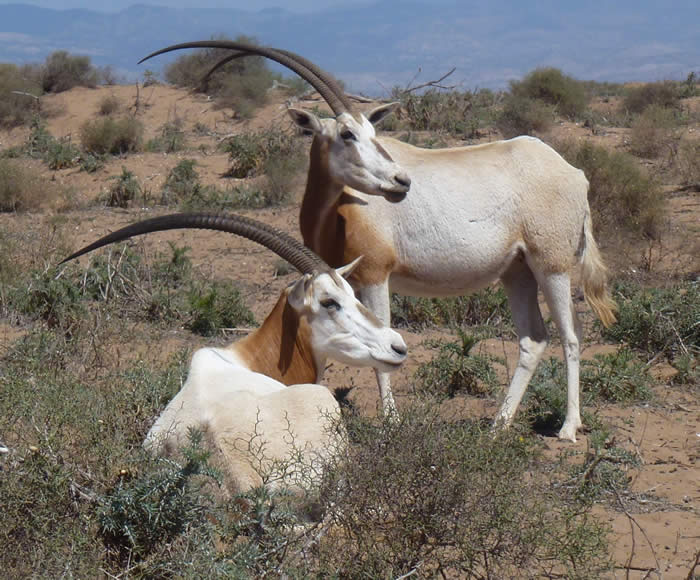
{"points": [[347, 135], [330, 304]]}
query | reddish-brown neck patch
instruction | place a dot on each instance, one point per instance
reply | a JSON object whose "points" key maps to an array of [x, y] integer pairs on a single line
{"points": [[336, 226], [281, 347]]}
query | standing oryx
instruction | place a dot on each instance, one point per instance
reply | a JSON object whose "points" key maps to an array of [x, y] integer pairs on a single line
{"points": [[257, 399], [510, 210]]}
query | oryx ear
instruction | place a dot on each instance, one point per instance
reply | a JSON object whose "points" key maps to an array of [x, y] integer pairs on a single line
{"points": [[305, 120], [298, 296], [348, 269], [378, 113]]}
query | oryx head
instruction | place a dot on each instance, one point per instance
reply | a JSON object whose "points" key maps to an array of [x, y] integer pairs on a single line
{"points": [[340, 326], [353, 155]]}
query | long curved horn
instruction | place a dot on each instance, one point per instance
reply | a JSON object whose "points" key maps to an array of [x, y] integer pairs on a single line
{"points": [[285, 246], [335, 102], [313, 69]]}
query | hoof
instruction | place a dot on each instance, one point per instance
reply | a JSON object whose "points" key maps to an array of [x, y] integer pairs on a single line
{"points": [[568, 432]]}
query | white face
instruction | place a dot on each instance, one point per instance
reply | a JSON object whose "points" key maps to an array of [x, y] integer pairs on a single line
{"points": [[355, 156], [341, 327]]}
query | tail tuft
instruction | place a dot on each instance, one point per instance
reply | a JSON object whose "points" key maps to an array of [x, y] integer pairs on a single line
{"points": [[595, 278]]}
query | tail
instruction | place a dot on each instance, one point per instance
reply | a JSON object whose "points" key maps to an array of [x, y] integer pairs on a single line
{"points": [[595, 277]]}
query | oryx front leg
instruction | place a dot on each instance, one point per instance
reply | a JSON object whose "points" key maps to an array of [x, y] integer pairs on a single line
{"points": [[521, 288], [377, 299]]}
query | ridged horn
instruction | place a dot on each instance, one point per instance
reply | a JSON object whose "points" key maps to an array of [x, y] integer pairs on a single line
{"points": [[313, 69], [335, 102], [285, 246]]}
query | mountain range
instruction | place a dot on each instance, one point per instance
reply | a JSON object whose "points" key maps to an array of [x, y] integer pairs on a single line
{"points": [[375, 46]]}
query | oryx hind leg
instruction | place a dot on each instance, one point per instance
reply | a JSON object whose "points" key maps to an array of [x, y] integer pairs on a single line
{"points": [[557, 292], [521, 287]]}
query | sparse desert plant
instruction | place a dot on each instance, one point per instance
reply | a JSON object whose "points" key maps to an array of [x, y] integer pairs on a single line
{"points": [[124, 189], [662, 94], [688, 162], [19, 96], [658, 320], [109, 105], [20, 188], [605, 467], [524, 116], [109, 135], [618, 377], [621, 195], [171, 138], [62, 71], [652, 131], [181, 183], [455, 370], [552, 86]]}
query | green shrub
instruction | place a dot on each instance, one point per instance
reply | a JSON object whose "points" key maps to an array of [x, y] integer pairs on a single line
{"points": [[553, 87], [657, 320], [20, 188], [458, 113], [456, 370], [113, 136], [524, 116], [486, 308], [219, 305], [62, 71], [170, 140], [181, 183], [652, 131], [109, 105], [52, 297], [448, 499], [621, 195], [240, 84], [56, 153], [618, 377], [605, 467], [662, 94], [124, 189], [245, 93], [273, 153], [154, 508], [70, 432]]}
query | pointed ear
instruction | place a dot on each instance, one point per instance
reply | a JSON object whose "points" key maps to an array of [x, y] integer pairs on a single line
{"points": [[377, 114], [305, 120], [298, 293], [348, 269]]}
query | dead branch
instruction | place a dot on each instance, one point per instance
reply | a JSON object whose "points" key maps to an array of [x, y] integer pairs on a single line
{"points": [[437, 84]]}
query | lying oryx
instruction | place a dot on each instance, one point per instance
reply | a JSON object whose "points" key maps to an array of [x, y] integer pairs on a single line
{"points": [[510, 210], [257, 399]]}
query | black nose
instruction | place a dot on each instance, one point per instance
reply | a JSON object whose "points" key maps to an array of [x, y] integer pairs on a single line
{"points": [[403, 180], [399, 349]]}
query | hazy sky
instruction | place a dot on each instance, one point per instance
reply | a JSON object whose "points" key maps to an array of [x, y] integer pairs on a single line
{"points": [[116, 5]]}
